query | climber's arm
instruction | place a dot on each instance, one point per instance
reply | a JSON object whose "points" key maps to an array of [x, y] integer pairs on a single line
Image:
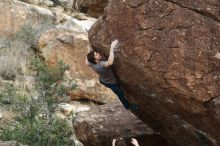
{"points": [[89, 50], [134, 142], [111, 54], [86, 61], [113, 142]]}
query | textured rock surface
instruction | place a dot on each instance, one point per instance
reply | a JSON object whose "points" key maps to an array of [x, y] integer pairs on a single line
{"points": [[20, 26], [16, 15], [168, 63], [19, 19], [59, 36], [94, 8], [71, 47], [67, 4], [100, 125]]}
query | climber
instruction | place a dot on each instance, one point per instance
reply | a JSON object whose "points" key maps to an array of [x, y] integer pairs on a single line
{"points": [[107, 78]]}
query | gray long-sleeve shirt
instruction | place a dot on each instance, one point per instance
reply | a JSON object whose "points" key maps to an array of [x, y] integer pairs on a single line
{"points": [[106, 74]]}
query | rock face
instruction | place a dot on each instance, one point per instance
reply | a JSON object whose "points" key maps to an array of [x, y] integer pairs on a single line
{"points": [[71, 47], [20, 26], [16, 16], [168, 63], [94, 8], [32, 21], [56, 36], [100, 125]]}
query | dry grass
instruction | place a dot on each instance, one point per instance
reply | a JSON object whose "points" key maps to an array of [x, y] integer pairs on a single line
{"points": [[14, 58], [12, 63], [7, 116]]}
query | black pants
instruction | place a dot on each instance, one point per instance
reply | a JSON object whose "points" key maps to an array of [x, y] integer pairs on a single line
{"points": [[119, 92]]}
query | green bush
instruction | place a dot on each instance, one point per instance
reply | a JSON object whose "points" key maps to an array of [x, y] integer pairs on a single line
{"points": [[40, 133], [35, 124]]}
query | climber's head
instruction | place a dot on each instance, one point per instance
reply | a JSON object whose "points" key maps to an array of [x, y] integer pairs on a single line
{"points": [[120, 142], [94, 57]]}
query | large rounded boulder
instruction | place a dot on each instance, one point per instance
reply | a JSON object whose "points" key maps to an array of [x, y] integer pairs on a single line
{"points": [[168, 62]]}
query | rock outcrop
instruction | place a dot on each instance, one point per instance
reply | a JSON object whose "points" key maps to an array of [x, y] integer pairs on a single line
{"points": [[100, 125], [71, 47], [168, 62], [93, 8], [55, 36], [27, 22]]}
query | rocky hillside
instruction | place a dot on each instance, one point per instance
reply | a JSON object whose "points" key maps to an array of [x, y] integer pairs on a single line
{"points": [[28, 30], [168, 63]]}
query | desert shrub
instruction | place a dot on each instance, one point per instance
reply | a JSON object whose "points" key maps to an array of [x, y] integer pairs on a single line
{"points": [[26, 35], [40, 133], [35, 124]]}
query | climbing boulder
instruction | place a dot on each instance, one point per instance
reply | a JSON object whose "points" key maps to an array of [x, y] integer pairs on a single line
{"points": [[168, 62], [100, 125]]}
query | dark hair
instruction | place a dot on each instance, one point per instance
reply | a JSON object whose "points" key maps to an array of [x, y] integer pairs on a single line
{"points": [[120, 142], [91, 57]]}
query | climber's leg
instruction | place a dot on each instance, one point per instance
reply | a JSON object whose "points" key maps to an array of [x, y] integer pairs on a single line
{"points": [[119, 92]]}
